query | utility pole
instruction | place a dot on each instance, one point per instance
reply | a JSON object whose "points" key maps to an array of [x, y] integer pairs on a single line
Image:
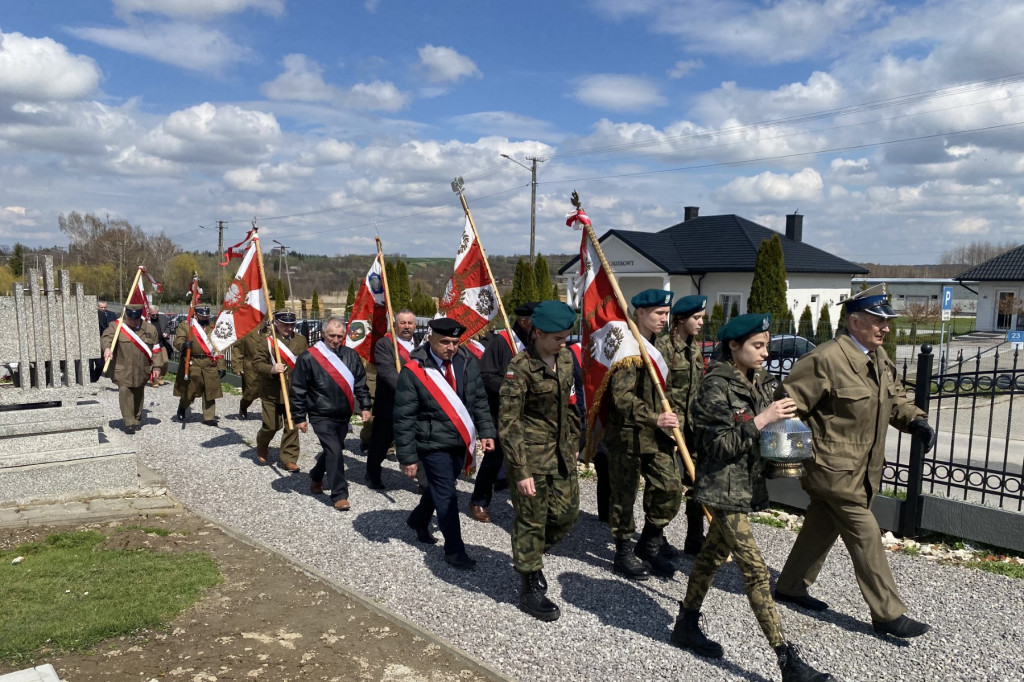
{"points": [[220, 251], [533, 197], [288, 271]]}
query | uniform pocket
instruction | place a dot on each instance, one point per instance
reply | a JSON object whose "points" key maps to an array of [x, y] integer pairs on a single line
{"points": [[852, 402]]}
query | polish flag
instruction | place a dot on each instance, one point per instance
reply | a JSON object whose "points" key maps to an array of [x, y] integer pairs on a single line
{"points": [[470, 297], [245, 305], [369, 320]]}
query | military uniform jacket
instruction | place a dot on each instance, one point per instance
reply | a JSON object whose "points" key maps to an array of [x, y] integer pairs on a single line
{"points": [[314, 394], [633, 417], [130, 366], [204, 379], [387, 376], [685, 370], [263, 362], [493, 363], [848, 412], [730, 471], [420, 423], [243, 353], [538, 423]]}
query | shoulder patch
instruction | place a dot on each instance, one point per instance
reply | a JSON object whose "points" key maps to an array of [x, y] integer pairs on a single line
{"points": [[510, 374]]}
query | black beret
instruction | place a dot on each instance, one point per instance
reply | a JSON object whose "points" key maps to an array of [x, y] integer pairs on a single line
{"points": [[525, 309], [652, 298], [133, 312], [688, 305], [285, 316], [446, 326], [744, 325], [553, 316]]}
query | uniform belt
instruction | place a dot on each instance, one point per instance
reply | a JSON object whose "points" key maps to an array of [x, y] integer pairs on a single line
{"points": [[199, 356]]}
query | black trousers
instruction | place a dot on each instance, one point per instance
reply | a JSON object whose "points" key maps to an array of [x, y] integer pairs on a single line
{"points": [[381, 438], [442, 468], [330, 464], [487, 475]]}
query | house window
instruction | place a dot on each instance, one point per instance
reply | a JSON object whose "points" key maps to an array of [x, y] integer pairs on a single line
{"points": [[727, 301], [900, 297], [814, 298], [842, 297], [935, 297]]}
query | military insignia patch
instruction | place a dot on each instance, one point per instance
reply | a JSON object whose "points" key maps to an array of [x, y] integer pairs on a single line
{"points": [[510, 374]]}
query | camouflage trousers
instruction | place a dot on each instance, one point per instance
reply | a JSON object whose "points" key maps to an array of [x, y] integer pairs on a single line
{"points": [[730, 533], [663, 489], [542, 520]]}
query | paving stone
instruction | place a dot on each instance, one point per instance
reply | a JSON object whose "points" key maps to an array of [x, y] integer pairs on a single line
{"points": [[41, 673], [145, 503]]}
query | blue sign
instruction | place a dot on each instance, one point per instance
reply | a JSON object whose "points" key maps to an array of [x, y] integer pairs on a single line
{"points": [[947, 298], [1015, 337]]}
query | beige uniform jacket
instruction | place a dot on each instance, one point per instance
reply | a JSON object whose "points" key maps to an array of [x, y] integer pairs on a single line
{"points": [[130, 366], [263, 362], [243, 353], [849, 413]]}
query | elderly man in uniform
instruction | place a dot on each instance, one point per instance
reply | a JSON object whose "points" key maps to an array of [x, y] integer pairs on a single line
{"points": [[383, 434], [640, 444], [243, 355], [272, 396], [492, 370], [327, 383], [847, 391], [682, 353], [440, 410], [135, 357], [204, 372]]}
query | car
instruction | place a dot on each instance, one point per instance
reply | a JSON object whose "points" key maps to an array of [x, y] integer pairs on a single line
{"points": [[783, 351]]}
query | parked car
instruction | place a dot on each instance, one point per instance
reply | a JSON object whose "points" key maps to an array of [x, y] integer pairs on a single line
{"points": [[783, 351]]}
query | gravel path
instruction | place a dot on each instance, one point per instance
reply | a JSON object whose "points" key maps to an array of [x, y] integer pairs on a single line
{"points": [[611, 628]]}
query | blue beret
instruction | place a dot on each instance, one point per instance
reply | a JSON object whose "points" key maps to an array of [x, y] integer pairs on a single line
{"points": [[553, 316], [744, 325], [652, 298], [873, 300], [688, 305], [202, 311], [133, 312]]}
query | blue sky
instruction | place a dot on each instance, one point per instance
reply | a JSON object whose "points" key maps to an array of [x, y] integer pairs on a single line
{"points": [[895, 128]]}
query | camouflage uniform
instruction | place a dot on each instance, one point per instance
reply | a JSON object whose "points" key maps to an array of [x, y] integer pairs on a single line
{"points": [[539, 425], [272, 399], [203, 376], [242, 357], [636, 446], [731, 482]]}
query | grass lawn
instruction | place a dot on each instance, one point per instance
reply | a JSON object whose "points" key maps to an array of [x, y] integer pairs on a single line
{"points": [[70, 593], [959, 325]]}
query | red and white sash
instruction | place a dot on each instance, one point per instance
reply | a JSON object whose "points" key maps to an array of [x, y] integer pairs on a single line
{"points": [[287, 357], [518, 344], [139, 343], [199, 336], [660, 366], [475, 347], [335, 369], [404, 348], [441, 391]]}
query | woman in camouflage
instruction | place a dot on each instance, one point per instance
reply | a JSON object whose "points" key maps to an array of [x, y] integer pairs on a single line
{"points": [[539, 428], [732, 406]]}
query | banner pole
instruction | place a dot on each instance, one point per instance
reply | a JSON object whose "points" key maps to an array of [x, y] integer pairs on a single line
{"points": [[120, 320], [387, 299], [273, 330]]}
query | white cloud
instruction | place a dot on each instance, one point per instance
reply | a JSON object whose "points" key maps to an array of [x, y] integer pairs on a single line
{"points": [[684, 68], [445, 65], [215, 135], [303, 81], [333, 151], [186, 45], [821, 92], [20, 210], [506, 123], [805, 185], [41, 69], [618, 92], [971, 226], [270, 178], [196, 9]]}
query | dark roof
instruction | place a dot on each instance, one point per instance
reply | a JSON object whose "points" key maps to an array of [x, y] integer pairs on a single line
{"points": [[723, 243], [1006, 267]]}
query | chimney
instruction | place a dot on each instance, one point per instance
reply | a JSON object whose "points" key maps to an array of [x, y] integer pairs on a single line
{"points": [[795, 227], [690, 212]]}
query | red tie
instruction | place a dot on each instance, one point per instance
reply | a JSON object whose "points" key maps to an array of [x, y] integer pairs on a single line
{"points": [[449, 375]]}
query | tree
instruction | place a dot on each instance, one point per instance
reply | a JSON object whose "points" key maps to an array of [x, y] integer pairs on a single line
{"points": [[717, 320], [555, 296], [806, 328], [106, 242], [177, 276], [523, 287], [7, 280], [422, 304], [824, 325], [889, 345], [279, 299], [542, 279], [735, 310], [398, 280], [315, 305], [768, 288], [350, 298], [17, 260]]}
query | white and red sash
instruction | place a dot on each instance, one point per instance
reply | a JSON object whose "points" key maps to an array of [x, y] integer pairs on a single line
{"points": [[404, 348], [503, 333], [199, 336], [336, 369], [453, 407], [475, 347], [138, 343], [660, 366], [287, 357]]}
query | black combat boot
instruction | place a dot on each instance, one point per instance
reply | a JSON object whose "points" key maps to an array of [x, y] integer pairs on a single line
{"points": [[648, 550], [542, 582], [794, 669], [694, 528], [180, 415], [688, 635], [533, 601], [627, 564]]}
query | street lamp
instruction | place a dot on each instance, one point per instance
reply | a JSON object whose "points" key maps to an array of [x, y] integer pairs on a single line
{"points": [[533, 196]]}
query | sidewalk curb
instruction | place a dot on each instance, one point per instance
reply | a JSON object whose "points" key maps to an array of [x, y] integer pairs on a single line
{"points": [[465, 657]]}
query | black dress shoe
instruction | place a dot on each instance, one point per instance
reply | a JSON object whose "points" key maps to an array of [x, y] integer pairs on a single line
{"points": [[902, 627], [460, 561], [375, 484], [423, 533], [803, 601]]}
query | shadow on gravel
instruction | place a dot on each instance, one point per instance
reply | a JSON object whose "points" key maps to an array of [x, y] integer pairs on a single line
{"points": [[589, 541], [844, 621], [224, 437]]}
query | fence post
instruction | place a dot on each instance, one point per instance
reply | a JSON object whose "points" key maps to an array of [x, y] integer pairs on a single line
{"points": [[911, 512]]}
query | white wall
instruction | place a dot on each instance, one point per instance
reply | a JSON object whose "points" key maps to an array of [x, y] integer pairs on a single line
{"points": [[988, 299]]}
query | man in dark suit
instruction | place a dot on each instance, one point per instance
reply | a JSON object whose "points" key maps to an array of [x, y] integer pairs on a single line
{"points": [[384, 400]]}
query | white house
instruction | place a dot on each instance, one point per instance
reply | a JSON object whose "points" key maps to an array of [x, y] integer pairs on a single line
{"points": [[1000, 285], [927, 291]]}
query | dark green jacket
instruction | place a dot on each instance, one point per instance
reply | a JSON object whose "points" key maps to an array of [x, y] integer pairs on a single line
{"points": [[730, 471], [538, 423], [633, 415], [685, 370], [420, 424]]}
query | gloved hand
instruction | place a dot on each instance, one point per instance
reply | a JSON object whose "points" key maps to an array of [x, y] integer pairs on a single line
{"points": [[921, 427], [221, 373], [187, 345]]}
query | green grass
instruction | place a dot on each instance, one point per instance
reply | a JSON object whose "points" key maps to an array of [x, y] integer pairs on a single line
{"points": [[768, 521], [1009, 570], [69, 594], [162, 532]]}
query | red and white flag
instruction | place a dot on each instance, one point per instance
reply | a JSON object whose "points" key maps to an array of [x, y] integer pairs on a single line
{"points": [[470, 297], [245, 305], [139, 296], [369, 320]]}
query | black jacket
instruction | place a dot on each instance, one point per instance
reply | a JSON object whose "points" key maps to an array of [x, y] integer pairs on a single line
{"points": [[494, 363], [420, 423], [314, 394], [387, 377]]}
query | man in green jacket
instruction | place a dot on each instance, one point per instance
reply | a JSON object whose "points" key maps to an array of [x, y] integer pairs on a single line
{"points": [[847, 391]]}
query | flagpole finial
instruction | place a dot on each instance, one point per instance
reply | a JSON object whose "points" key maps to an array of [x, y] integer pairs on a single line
{"points": [[576, 200], [255, 227], [458, 184]]}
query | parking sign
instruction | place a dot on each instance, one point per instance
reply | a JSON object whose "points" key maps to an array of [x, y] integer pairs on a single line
{"points": [[947, 303]]}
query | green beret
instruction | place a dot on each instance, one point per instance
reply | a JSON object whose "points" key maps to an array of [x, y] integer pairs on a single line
{"points": [[553, 316], [688, 305], [652, 298], [744, 325]]}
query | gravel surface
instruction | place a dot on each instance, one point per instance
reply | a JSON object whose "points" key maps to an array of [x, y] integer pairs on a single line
{"points": [[611, 628]]}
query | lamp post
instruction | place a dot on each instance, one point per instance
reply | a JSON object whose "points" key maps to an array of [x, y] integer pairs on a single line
{"points": [[533, 196]]}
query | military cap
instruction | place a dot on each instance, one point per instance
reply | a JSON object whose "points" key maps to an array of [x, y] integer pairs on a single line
{"points": [[688, 305], [446, 326], [873, 300], [553, 316], [745, 325], [133, 312], [525, 309], [652, 298], [285, 316], [202, 311]]}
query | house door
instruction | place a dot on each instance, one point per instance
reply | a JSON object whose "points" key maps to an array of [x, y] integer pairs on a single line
{"points": [[1007, 306]]}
